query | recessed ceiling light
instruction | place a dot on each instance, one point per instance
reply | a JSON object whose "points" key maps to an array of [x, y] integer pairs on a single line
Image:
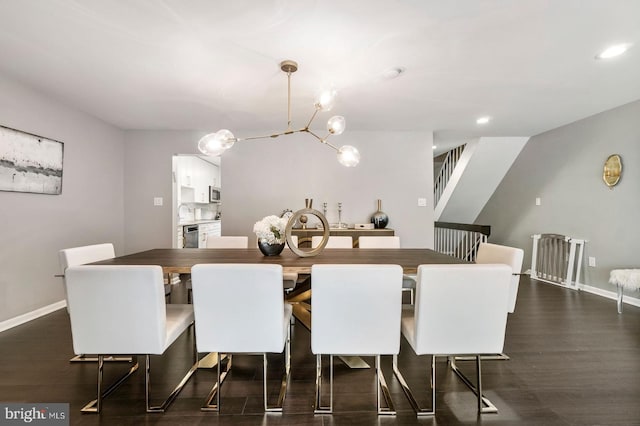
{"points": [[613, 51], [392, 73], [483, 120], [435, 146]]}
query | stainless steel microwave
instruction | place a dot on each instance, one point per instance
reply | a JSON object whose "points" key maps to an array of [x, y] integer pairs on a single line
{"points": [[214, 194]]}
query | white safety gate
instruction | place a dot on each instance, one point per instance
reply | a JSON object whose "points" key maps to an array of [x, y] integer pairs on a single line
{"points": [[557, 259]]}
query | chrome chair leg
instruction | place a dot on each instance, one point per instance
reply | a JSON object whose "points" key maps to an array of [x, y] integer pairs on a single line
{"points": [[215, 390], [320, 409], [285, 376], [496, 357], [484, 404], [107, 358], [96, 405], [407, 391], [165, 404], [381, 385]]}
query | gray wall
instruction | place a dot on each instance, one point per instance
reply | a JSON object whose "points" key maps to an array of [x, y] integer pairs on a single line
{"points": [[564, 168], [148, 174], [35, 227], [266, 176]]}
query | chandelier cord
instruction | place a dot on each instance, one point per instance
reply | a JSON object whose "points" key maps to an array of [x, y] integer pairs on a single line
{"points": [[288, 100]]}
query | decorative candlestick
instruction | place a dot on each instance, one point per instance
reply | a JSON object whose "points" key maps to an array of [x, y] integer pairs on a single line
{"points": [[339, 215]]}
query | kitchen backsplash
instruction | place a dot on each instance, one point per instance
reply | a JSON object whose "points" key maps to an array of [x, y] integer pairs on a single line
{"points": [[198, 211]]}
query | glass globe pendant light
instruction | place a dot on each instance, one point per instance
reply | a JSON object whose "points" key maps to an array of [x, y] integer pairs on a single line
{"points": [[348, 156], [216, 143], [326, 100], [336, 125]]}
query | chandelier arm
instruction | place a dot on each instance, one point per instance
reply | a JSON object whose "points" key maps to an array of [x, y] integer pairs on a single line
{"points": [[324, 141], [331, 145], [312, 117], [273, 135], [314, 135], [259, 137]]}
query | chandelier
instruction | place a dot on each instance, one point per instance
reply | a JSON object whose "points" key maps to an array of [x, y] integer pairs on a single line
{"points": [[215, 144]]}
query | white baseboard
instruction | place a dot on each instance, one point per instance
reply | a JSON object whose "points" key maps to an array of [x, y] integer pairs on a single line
{"points": [[609, 294], [29, 316]]}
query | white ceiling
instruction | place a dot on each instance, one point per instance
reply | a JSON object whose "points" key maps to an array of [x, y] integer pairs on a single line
{"points": [[205, 65]]}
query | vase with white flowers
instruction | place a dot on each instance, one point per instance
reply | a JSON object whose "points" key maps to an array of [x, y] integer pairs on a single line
{"points": [[271, 234]]}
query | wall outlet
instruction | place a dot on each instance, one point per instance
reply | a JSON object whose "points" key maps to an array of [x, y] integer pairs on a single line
{"points": [[538, 201], [592, 261], [157, 201], [422, 202]]}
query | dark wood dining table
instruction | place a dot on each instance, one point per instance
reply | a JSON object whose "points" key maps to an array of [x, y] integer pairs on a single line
{"points": [[181, 260]]}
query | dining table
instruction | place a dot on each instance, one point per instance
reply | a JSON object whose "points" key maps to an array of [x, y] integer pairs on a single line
{"points": [[180, 261]]}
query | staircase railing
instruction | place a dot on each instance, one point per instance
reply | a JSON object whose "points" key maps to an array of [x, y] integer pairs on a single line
{"points": [[459, 239], [446, 171]]}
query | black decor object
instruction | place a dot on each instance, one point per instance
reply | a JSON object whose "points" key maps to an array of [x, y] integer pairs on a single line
{"points": [[379, 218]]}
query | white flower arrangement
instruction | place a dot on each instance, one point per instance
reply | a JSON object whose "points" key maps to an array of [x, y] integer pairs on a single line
{"points": [[271, 229]]}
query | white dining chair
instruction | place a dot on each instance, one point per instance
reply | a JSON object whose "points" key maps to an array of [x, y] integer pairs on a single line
{"points": [[88, 254], [239, 308], [511, 256], [142, 323], [459, 310], [228, 241], [80, 256], [335, 241], [225, 241], [390, 241], [376, 241], [289, 280], [355, 310]]}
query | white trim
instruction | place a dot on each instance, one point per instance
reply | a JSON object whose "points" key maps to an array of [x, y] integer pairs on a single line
{"points": [[29, 316], [608, 294]]}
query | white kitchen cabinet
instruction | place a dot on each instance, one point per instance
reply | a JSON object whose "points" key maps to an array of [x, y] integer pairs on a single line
{"points": [[195, 176], [179, 237], [206, 230]]}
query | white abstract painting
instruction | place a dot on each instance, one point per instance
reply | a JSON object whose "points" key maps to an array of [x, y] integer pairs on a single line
{"points": [[30, 163]]}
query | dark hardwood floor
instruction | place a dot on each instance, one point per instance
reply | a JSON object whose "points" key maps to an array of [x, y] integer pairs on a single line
{"points": [[574, 361]]}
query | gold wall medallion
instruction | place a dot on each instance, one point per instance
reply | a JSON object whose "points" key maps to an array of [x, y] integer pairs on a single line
{"points": [[612, 170]]}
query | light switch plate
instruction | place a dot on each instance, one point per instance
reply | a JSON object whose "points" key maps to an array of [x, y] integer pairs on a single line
{"points": [[422, 202], [157, 201], [592, 261]]}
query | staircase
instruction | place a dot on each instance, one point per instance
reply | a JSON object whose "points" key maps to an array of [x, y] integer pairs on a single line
{"points": [[470, 174]]}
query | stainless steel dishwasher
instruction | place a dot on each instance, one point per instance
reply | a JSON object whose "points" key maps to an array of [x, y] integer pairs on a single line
{"points": [[190, 233]]}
